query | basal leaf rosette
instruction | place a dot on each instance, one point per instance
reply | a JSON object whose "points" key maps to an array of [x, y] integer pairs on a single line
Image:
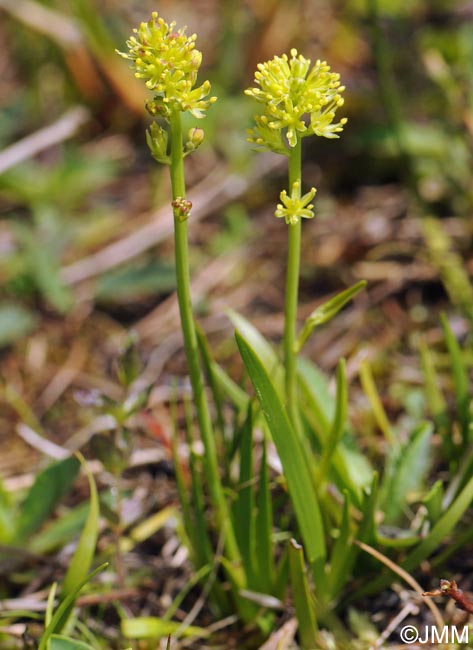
{"points": [[167, 59], [298, 100]]}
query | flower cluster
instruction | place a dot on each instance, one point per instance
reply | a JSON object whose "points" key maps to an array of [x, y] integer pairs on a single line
{"points": [[295, 207], [298, 99], [169, 62]]}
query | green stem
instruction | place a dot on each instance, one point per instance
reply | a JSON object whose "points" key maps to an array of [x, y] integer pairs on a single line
{"points": [[191, 344], [292, 291]]}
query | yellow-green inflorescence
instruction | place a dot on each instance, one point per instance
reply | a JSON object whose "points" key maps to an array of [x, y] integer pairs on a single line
{"points": [[167, 59], [299, 100], [169, 62]]}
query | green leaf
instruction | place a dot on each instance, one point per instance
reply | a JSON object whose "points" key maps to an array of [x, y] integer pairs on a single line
{"points": [[15, 322], [321, 404], [407, 467], [303, 602], [361, 625], [460, 378], [367, 530], [442, 528], [281, 577], [7, 516], [50, 605], [350, 469], [450, 265], [291, 453], [84, 553], [49, 488], [263, 529], [371, 392], [325, 312], [236, 395], [339, 421], [266, 354], [196, 577], [436, 403], [344, 553], [59, 642], [150, 627], [208, 363], [245, 503], [180, 471], [61, 614], [199, 534], [433, 501], [435, 399]]}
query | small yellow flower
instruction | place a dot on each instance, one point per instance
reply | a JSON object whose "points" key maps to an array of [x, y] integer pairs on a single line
{"points": [[298, 99], [266, 137], [295, 207], [169, 62]]}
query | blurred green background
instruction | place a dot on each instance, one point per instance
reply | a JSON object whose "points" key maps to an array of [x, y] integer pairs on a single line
{"points": [[77, 177]]}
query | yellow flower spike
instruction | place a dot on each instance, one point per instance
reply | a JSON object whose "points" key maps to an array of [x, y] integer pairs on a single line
{"points": [[298, 99], [167, 59], [294, 207]]}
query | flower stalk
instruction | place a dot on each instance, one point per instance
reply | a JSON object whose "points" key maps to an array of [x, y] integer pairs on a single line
{"points": [[292, 290], [299, 100], [181, 251], [167, 59]]}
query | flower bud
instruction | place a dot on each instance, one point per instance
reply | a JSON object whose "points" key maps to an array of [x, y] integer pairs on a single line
{"points": [[195, 137], [157, 140], [181, 208], [157, 107]]}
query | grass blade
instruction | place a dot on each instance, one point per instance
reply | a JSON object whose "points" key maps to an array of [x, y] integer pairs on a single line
{"points": [[371, 392], [62, 613], [281, 577], [442, 528], [367, 530], [59, 642], [434, 396], [338, 425], [343, 555], [299, 480], [150, 627], [266, 354], [303, 601], [433, 501], [208, 363], [201, 544], [235, 394], [84, 554], [327, 311], [182, 473], [429, 544], [245, 503], [405, 473], [263, 529], [460, 379], [350, 469]]}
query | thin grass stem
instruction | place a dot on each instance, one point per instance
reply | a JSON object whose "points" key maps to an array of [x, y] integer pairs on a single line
{"points": [[191, 343]]}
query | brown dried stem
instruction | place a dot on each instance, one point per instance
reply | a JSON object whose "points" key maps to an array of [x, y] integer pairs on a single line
{"points": [[449, 588]]}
